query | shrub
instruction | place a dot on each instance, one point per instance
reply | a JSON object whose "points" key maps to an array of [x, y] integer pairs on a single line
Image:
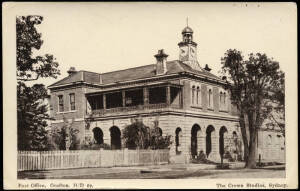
{"points": [[96, 146], [223, 166], [138, 135]]}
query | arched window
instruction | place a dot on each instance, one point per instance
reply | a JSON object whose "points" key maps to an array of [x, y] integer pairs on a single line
{"points": [[221, 100], [160, 131], [198, 96], [193, 95], [234, 135], [269, 139], [278, 139], [210, 99], [224, 100]]}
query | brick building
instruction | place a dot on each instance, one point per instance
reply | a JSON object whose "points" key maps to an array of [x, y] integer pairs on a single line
{"points": [[184, 99]]}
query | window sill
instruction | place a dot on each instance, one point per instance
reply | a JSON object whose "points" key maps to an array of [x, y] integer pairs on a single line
{"points": [[197, 107], [63, 112], [223, 111]]}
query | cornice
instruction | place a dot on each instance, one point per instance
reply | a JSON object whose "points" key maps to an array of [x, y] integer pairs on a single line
{"points": [[164, 112], [185, 74]]}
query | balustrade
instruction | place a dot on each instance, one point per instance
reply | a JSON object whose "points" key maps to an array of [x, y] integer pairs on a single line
{"points": [[134, 108]]}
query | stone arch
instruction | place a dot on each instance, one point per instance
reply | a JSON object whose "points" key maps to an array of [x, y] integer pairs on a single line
{"points": [[222, 136], [115, 137], [98, 135], [178, 133], [210, 132], [194, 140]]}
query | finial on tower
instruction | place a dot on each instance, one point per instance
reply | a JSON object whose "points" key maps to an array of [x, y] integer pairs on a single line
{"points": [[187, 21], [187, 29]]}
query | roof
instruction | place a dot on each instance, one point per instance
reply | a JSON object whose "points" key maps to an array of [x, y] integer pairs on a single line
{"points": [[187, 30], [136, 73]]}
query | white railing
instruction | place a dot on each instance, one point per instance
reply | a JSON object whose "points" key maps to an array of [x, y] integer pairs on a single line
{"points": [[134, 108], [46, 160]]}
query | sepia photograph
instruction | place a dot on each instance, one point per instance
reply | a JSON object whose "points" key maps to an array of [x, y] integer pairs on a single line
{"points": [[144, 91]]}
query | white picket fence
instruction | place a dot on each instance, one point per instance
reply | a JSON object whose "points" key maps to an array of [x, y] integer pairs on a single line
{"points": [[46, 160]]}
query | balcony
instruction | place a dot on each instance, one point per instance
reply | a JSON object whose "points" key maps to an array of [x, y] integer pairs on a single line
{"points": [[100, 112], [133, 101]]}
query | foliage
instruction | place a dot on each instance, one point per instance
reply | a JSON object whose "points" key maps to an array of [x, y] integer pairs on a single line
{"points": [[94, 146], [31, 112], [252, 83], [28, 39], [137, 135], [32, 116], [66, 137]]}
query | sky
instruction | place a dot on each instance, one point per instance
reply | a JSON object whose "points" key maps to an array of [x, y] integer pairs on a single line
{"points": [[104, 37]]}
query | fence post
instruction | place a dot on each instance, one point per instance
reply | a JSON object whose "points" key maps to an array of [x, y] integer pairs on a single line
{"points": [[158, 159], [39, 160], [125, 153], [138, 156], [101, 154]]}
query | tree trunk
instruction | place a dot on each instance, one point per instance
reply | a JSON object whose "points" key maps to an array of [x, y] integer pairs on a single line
{"points": [[244, 136], [251, 162]]}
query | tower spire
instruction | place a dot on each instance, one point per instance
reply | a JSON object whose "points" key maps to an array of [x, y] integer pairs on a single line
{"points": [[187, 21]]}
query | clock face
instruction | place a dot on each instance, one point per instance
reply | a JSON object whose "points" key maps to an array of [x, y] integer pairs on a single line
{"points": [[183, 52], [193, 52]]}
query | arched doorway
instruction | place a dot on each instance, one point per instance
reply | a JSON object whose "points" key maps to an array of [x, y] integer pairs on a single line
{"points": [[209, 131], [177, 139], [222, 136], [98, 135], [115, 137], [194, 142]]}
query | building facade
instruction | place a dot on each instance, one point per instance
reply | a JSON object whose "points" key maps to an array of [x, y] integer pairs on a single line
{"points": [[182, 98]]}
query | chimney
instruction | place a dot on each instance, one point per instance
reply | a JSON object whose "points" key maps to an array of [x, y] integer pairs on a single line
{"points": [[71, 71], [161, 62], [100, 78], [207, 68]]}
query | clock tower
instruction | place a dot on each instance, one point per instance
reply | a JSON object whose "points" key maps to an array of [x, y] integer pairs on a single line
{"points": [[188, 49]]}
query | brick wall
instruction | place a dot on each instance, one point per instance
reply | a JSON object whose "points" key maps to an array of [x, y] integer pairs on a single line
{"points": [[187, 95], [80, 103], [270, 146]]}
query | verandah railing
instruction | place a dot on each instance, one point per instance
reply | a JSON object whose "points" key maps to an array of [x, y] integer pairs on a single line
{"points": [[134, 108], [47, 160]]}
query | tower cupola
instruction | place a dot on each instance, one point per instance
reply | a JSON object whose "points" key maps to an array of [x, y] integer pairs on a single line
{"points": [[187, 34], [188, 48]]}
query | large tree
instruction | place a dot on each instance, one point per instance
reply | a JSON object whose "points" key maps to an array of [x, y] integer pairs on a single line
{"points": [[32, 111], [29, 66], [32, 115], [254, 83]]}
